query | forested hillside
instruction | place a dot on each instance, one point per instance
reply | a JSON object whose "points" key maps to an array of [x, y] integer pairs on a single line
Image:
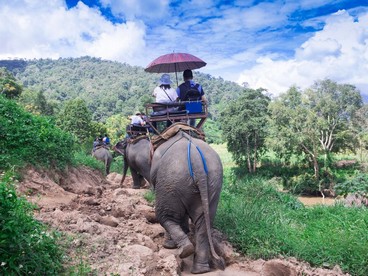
{"points": [[107, 87]]}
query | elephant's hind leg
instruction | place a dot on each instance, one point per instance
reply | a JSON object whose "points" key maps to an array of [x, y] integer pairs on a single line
{"points": [[180, 238], [202, 256]]}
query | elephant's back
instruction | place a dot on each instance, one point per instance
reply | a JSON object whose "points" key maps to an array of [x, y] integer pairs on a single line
{"points": [[102, 153], [173, 156]]}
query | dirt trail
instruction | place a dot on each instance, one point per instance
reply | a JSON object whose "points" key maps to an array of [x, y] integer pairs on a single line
{"points": [[115, 228]]}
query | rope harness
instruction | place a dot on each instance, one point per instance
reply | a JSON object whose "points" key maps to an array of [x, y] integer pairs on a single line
{"points": [[189, 158], [189, 153]]}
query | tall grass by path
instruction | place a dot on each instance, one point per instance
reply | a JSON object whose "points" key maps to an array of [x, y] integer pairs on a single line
{"points": [[263, 223]]}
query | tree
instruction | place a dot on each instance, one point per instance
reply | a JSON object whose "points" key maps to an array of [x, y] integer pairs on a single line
{"points": [[292, 127], [76, 118], [317, 121], [360, 128], [116, 126], [334, 105], [35, 102], [244, 127], [8, 84], [213, 132]]}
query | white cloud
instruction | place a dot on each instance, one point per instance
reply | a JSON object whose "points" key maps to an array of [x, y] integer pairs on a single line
{"points": [[264, 15], [122, 42], [131, 9], [228, 37], [338, 52], [48, 29]]}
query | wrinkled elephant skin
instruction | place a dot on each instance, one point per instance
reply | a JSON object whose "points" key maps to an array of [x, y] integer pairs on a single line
{"points": [[137, 158], [180, 194]]}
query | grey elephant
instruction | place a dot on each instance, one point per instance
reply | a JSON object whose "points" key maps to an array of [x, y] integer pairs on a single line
{"points": [[136, 157], [104, 155], [187, 176]]}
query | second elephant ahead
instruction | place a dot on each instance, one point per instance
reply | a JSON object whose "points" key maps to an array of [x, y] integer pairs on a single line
{"points": [[187, 175], [136, 156], [104, 155]]}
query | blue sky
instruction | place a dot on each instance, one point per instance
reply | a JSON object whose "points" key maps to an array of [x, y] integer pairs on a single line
{"points": [[269, 44]]}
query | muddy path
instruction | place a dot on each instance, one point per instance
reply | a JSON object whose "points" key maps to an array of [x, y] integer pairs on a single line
{"points": [[113, 228]]}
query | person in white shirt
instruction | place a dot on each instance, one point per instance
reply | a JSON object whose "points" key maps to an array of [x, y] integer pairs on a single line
{"points": [[163, 92], [137, 119]]}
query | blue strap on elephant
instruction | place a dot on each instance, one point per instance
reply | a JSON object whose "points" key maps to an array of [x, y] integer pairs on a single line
{"points": [[202, 156]]}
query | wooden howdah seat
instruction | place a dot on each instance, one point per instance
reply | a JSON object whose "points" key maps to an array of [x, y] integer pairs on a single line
{"points": [[176, 112], [136, 130]]}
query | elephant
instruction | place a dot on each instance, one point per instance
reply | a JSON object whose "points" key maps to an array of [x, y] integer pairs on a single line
{"points": [[103, 154], [187, 176], [136, 157]]}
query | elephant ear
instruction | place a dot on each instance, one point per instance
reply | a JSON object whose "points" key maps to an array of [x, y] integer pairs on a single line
{"points": [[121, 146]]}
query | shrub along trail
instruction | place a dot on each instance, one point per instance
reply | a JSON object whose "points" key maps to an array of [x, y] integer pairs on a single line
{"points": [[113, 228]]}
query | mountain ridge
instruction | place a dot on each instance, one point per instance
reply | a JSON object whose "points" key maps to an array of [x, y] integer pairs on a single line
{"points": [[108, 87]]}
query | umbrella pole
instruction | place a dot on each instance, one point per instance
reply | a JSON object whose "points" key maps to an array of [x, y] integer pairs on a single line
{"points": [[176, 75]]}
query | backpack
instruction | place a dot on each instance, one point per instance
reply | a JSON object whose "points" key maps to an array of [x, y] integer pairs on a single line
{"points": [[191, 93]]}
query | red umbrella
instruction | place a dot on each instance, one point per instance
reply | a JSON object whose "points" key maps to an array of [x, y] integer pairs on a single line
{"points": [[174, 62]]}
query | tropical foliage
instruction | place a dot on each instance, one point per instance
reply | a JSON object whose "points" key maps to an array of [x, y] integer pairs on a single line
{"points": [[30, 139], [75, 118], [8, 84], [108, 88], [244, 125]]}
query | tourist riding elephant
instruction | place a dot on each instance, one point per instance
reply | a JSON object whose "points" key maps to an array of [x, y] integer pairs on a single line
{"points": [[103, 155], [136, 157], [187, 176]]}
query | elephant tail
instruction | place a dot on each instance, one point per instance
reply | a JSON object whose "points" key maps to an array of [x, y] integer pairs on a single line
{"points": [[203, 190], [125, 169]]}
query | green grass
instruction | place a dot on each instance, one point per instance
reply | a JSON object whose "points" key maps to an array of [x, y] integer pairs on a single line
{"points": [[264, 223], [225, 155], [150, 196], [333, 235]]}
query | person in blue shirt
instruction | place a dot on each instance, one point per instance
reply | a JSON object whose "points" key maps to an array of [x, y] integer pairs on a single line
{"points": [[190, 91], [106, 140]]}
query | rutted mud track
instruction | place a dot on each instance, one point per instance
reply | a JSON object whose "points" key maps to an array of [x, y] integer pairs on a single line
{"points": [[115, 229]]}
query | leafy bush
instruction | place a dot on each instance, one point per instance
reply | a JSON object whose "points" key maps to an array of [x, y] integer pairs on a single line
{"points": [[81, 158], [356, 185], [26, 245], [303, 184], [25, 138]]}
